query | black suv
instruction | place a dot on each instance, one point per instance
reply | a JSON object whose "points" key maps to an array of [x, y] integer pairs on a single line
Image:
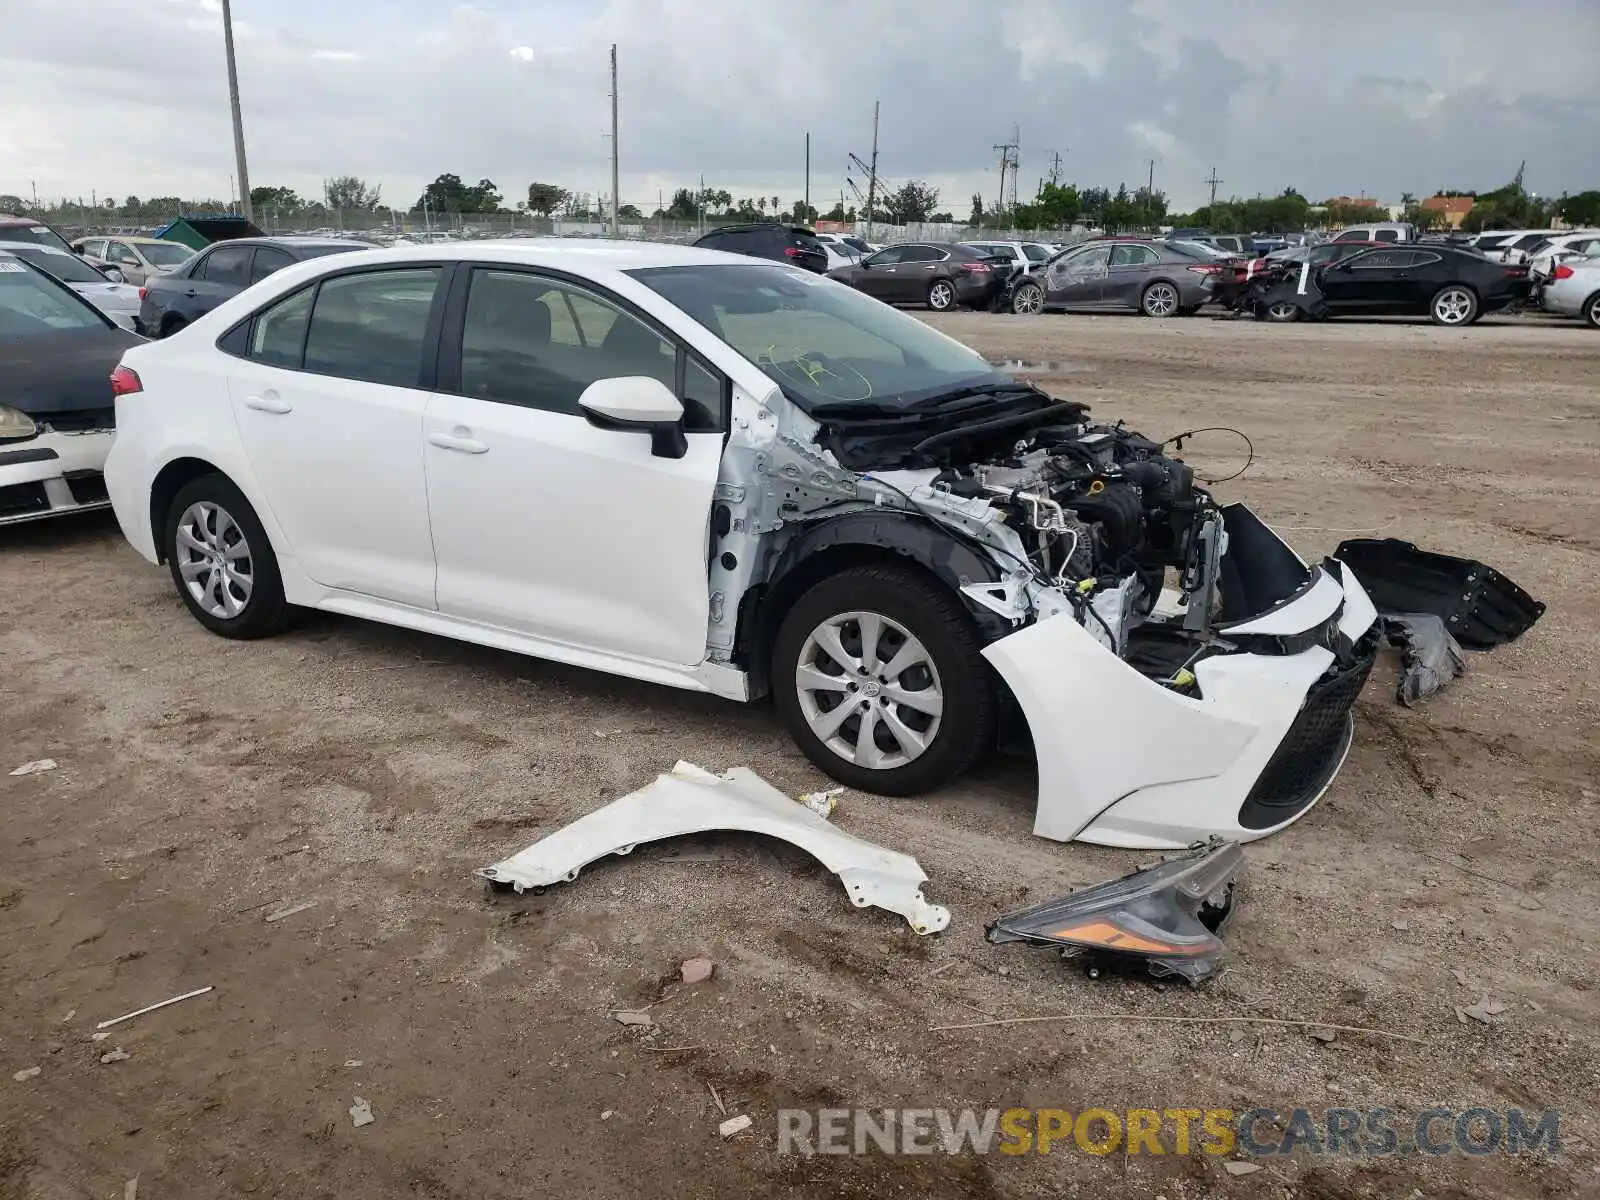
{"points": [[782, 243]]}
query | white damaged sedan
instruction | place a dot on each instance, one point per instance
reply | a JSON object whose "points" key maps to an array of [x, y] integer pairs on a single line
{"points": [[734, 476]]}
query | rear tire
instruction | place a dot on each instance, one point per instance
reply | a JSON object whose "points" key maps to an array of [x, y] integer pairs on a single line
{"points": [[1453, 305], [941, 295], [919, 622], [1160, 299], [221, 561], [1591, 311]]}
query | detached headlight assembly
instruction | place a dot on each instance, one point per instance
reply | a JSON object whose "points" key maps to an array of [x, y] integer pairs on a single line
{"points": [[16, 424]]}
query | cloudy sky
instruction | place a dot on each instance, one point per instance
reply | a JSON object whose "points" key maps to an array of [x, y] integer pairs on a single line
{"points": [[130, 96]]}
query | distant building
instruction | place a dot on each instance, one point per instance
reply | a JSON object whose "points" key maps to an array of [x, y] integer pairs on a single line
{"points": [[1454, 208], [1352, 202]]}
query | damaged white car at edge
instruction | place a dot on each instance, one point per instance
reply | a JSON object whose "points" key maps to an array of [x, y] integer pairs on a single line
{"points": [[729, 475]]}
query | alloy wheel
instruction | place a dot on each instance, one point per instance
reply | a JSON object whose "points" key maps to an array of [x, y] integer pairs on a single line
{"points": [[1161, 300], [214, 559], [869, 690], [941, 296], [1283, 310], [1452, 306], [1028, 301]]}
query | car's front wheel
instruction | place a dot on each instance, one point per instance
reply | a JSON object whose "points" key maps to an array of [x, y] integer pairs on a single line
{"points": [[1283, 310], [1591, 311], [877, 673], [941, 295], [1027, 300], [221, 561]]}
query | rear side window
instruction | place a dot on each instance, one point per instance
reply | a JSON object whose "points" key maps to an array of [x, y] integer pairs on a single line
{"points": [[1133, 256], [279, 334], [1354, 235], [1036, 254], [1386, 235], [371, 326], [268, 260], [226, 265]]}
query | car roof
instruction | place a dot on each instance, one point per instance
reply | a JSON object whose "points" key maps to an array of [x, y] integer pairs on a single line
{"points": [[13, 219], [290, 241], [595, 255], [749, 225]]}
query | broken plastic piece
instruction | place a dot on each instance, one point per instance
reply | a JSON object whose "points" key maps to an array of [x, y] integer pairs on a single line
{"points": [[1431, 657], [1163, 919], [36, 766], [1479, 606], [692, 800], [150, 1008], [361, 1113]]}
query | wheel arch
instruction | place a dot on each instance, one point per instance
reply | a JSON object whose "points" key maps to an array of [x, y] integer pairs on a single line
{"points": [[166, 485], [1583, 308], [852, 540]]}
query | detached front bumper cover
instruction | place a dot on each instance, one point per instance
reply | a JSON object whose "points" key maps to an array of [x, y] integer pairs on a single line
{"points": [[1163, 919], [691, 800]]}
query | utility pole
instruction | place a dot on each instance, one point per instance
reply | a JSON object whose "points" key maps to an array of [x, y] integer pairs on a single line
{"points": [[1008, 161], [806, 213], [700, 207], [1150, 193], [872, 181], [1055, 168], [1213, 181], [616, 195], [238, 121]]}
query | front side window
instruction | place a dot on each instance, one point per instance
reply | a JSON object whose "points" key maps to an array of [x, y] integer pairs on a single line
{"points": [[226, 265], [1376, 260], [371, 326], [887, 258], [121, 254], [538, 342]]}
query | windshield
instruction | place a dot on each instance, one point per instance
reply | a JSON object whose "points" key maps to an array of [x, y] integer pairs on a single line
{"points": [[31, 305], [856, 243], [38, 235], [827, 345], [165, 254], [64, 267], [1036, 253]]}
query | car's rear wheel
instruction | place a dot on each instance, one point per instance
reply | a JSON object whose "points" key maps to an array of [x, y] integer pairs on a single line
{"points": [[1283, 311], [877, 673], [941, 295], [1591, 311], [1027, 300], [1453, 304], [221, 562], [1160, 299]]}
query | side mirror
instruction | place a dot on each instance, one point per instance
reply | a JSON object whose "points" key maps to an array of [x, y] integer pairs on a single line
{"points": [[114, 275], [639, 404]]}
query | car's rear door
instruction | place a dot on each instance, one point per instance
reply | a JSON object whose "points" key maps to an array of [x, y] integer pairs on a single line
{"points": [[543, 523], [328, 399], [1129, 270]]}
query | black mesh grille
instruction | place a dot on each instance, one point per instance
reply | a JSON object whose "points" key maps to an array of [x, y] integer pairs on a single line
{"points": [[19, 498], [1311, 751], [80, 419]]}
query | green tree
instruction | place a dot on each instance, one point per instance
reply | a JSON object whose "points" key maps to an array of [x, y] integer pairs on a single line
{"points": [[545, 198], [912, 203], [1582, 209], [348, 191], [802, 213], [976, 219], [1058, 205], [448, 194], [283, 199], [836, 213], [685, 206]]}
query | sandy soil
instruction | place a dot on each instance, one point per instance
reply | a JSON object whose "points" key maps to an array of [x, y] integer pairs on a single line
{"points": [[205, 784]]}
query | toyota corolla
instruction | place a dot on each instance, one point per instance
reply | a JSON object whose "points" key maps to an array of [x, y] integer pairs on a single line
{"points": [[729, 475]]}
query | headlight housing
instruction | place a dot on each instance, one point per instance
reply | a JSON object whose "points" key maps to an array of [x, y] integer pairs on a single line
{"points": [[15, 425]]}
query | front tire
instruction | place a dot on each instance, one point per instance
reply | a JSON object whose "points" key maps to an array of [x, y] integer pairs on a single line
{"points": [[1283, 311], [1160, 299], [878, 675], [1453, 305], [1591, 311], [1027, 300], [221, 562], [941, 295]]}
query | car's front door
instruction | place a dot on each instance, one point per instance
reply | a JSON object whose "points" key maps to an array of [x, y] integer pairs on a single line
{"points": [[543, 523], [329, 402], [879, 274], [222, 274], [1377, 281], [919, 266], [1127, 273], [121, 256], [1077, 279]]}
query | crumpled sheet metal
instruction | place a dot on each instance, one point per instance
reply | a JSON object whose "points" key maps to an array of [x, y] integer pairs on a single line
{"points": [[1164, 919], [1430, 657], [688, 800]]}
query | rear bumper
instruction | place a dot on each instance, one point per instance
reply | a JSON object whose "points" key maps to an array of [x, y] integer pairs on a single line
{"points": [[52, 475], [1126, 761]]}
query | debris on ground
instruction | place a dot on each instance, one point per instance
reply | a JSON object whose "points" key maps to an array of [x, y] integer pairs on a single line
{"points": [[361, 1113], [822, 803], [353, 1063], [689, 799], [1234, 1167], [1400, 926], [150, 1008], [735, 1125], [1163, 919], [1323, 1035], [632, 1017], [115, 1056], [130, 1190], [1480, 607], [1429, 657], [290, 911], [607, 1114], [24, 1076], [36, 766], [696, 970], [1485, 1011]]}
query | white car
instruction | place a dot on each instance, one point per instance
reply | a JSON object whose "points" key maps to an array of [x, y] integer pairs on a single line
{"points": [[1561, 246], [735, 476], [1573, 290], [846, 244], [119, 301], [1027, 255]]}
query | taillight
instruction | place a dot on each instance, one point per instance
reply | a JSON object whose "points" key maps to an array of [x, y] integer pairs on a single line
{"points": [[977, 267], [125, 381], [1206, 269], [792, 252], [142, 291], [1563, 272]]}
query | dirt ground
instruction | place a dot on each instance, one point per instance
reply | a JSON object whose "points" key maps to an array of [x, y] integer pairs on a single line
{"points": [[205, 784]]}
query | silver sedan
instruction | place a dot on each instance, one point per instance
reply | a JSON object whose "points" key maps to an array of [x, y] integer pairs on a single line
{"points": [[1573, 290]]}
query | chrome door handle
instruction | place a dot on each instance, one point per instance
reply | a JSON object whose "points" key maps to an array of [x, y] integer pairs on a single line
{"points": [[271, 402], [464, 445]]}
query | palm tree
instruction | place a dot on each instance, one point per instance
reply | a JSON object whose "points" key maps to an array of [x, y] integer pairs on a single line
{"points": [[761, 203]]}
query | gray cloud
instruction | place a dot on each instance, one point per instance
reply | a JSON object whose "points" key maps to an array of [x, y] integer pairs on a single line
{"points": [[125, 96]]}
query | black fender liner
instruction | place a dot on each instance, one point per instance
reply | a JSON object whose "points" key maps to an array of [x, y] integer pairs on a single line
{"points": [[835, 543]]}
